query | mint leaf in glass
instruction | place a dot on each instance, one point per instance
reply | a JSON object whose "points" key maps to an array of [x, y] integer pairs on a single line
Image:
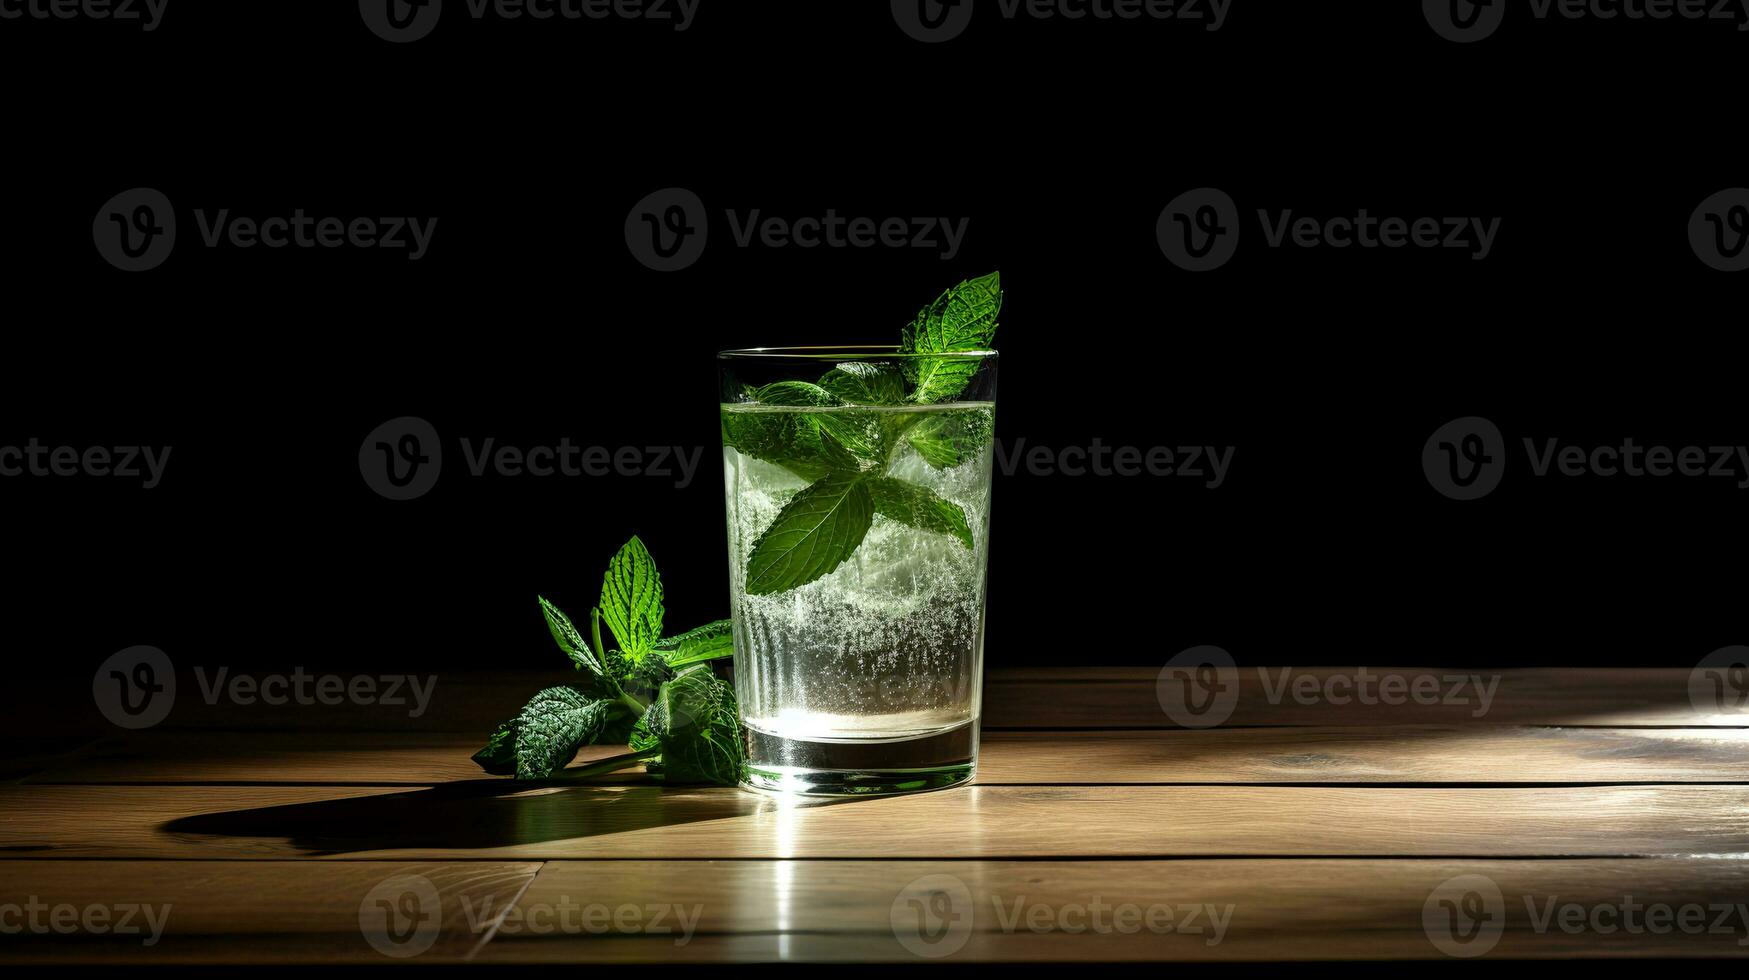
{"points": [[919, 507], [813, 534], [863, 383]]}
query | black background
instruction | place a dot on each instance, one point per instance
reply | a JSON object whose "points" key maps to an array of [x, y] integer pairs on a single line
{"points": [[530, 321]]}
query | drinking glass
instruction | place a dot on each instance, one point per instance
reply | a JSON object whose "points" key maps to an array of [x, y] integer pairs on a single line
{"points": [[857, 485]]}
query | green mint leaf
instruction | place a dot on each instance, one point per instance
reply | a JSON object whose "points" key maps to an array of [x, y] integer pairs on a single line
{"points": [[947, 439], [813, 534], [631, 599], [810, 444], [961, 319], [918, 506], [571, 641], [645, 677], [863, 383], [685, 704], [553, 725], [711, 641], [705, 751], [499, 755]]}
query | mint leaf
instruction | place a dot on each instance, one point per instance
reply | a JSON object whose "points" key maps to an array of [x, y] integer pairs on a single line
{"points": [[961, 319], [645, 677], [813, 534], [631, 599], [553, 726], [918, 506], [708, 642], [569, 640], [499, 755], [709, 749], [685, 704], [863, 383], [947, 439], [809, 444]]}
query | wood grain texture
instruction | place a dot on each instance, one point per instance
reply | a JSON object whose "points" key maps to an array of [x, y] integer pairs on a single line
{"points": [[1081, 697], [480, 820], [1429, 754], [1330, 696], [856, 911], [226, 911]]}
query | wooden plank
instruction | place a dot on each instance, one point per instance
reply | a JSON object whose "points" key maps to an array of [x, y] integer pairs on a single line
{"points": [[1265, 909], [1485, 754], [1355, 696], [479, 820], [274, 911], [1040, 698]]}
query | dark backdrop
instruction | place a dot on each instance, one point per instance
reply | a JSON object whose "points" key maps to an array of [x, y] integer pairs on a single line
{"points": [[529, 321]]}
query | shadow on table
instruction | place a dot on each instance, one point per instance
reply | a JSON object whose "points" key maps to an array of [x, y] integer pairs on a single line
{"points": [[480, 813]]}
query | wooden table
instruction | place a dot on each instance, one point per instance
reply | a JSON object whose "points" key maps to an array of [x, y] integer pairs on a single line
{"points": [[1557, 823]]}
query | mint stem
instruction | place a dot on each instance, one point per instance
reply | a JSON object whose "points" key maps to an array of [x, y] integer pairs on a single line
{"points": [[607, 765], [638, 707]]}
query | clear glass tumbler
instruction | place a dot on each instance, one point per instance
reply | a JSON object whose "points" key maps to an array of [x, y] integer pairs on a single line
{"points": [[857, 484]]}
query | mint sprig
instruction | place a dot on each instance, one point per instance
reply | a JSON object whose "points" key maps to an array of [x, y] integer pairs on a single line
{"points": [[695, 735], [844, 453]]}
